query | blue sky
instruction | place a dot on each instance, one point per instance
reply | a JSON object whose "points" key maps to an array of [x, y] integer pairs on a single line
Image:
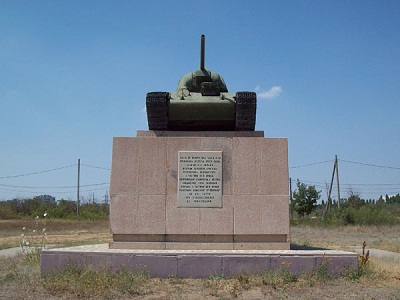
{"points": [[74, 74]]}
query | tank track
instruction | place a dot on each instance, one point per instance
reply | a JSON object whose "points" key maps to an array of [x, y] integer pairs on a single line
{"points": [[157, 110], [246, 105]]}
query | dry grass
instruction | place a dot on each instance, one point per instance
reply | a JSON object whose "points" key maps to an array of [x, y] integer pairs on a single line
{"points": [[60, 232], [387, 266], [20, 278], [14, 227], [380, 237]]}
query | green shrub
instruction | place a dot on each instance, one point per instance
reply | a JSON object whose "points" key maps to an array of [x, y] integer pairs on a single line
{"points": [[28, 208], [368, 214]]}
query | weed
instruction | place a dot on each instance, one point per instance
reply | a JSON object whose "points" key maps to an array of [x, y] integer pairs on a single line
{"points": [[224, 287], [323, 273], [175, 280], [244, 281], [221, 286], [354, 275], [215, 283], [280, 277], [364, 256], [34, 240], [83, 282], [10, 269], [283, 294], [217, 277]]}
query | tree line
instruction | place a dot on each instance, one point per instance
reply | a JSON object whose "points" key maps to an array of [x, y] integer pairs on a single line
{"points": [[63, 209]]}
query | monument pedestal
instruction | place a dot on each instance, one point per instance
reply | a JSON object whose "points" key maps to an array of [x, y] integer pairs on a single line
{"points": [[178, 210], [169, 190]]}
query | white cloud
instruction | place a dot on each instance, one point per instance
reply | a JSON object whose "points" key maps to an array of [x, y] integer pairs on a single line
{"points": [[273, 92]]}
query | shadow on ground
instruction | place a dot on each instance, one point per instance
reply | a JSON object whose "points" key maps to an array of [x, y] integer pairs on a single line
{"points": [[303, 247]]}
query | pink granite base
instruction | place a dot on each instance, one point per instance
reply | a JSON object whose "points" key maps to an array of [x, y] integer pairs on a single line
{"points": [[144, 197], [196, 263]]}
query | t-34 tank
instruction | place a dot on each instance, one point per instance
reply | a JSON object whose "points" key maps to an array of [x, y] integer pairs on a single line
{"points": [[201, 102]]}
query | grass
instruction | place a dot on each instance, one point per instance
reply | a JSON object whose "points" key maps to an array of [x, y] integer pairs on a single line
{"points": [[6, 245], [9, 228], [89, 282], [279, 278], [20, 278], [61, 233], [380, 278], [343, 237]]}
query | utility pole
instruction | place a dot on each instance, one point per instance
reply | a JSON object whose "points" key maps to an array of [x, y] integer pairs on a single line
{"points": [[328, 202], [335, 170], [77, 191], [106, 197], [337, 180]]}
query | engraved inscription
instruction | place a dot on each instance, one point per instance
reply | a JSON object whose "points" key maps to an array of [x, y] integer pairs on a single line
{"points": [[200, 179]]}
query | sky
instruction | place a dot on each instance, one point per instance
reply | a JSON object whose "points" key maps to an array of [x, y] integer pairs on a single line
{"points": [[74, 74]]}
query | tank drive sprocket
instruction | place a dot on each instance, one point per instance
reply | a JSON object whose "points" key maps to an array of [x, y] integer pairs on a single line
{"points": [[246, 105], [157, 110]]}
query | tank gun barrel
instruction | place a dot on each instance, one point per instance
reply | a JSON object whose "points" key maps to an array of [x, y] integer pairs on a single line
{"points": [[202, 50]]}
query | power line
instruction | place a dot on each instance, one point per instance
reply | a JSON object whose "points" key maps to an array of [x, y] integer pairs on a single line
{"points": [[348, 161], [371, 188], [41, 192], [31, 192], [36, 173], [372, 184], [51, 170], [51, 187], [370, 165], [102, 168], [312, 164], [351, 184]]}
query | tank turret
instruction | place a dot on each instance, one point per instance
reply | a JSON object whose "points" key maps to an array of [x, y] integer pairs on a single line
{"points": [[202, 80], [201, 102]]}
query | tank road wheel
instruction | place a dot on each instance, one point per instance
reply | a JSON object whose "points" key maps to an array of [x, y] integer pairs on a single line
{"points": [[246, 104], [157, 110]]}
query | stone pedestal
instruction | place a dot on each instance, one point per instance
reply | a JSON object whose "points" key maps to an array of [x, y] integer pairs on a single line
{"points": [[178, 210], [253, 208]]}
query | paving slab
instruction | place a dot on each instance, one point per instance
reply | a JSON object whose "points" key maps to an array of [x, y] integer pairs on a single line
{"points": [[378, 253], [10, 252], [195, 263]]}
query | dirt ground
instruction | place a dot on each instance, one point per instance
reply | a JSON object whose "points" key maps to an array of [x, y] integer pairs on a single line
{"points": [[380, 237], [59, 232], [19, 280]]}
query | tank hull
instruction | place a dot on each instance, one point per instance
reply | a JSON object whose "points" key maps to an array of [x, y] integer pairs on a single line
{"points": [[204, 112], [227, 112]]}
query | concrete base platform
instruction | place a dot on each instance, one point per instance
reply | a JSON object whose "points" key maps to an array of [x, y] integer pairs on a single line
{"points": [[196, 263]]}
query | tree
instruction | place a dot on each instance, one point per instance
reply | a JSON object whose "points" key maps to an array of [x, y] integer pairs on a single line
{"points": [[354, 199], [304, 200]]}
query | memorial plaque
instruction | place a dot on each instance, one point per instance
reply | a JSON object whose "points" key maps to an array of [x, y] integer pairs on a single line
{"points": [[200, 179]]}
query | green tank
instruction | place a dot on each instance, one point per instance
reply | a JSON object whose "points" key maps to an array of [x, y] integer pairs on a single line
{"points": [[201, 102]]}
